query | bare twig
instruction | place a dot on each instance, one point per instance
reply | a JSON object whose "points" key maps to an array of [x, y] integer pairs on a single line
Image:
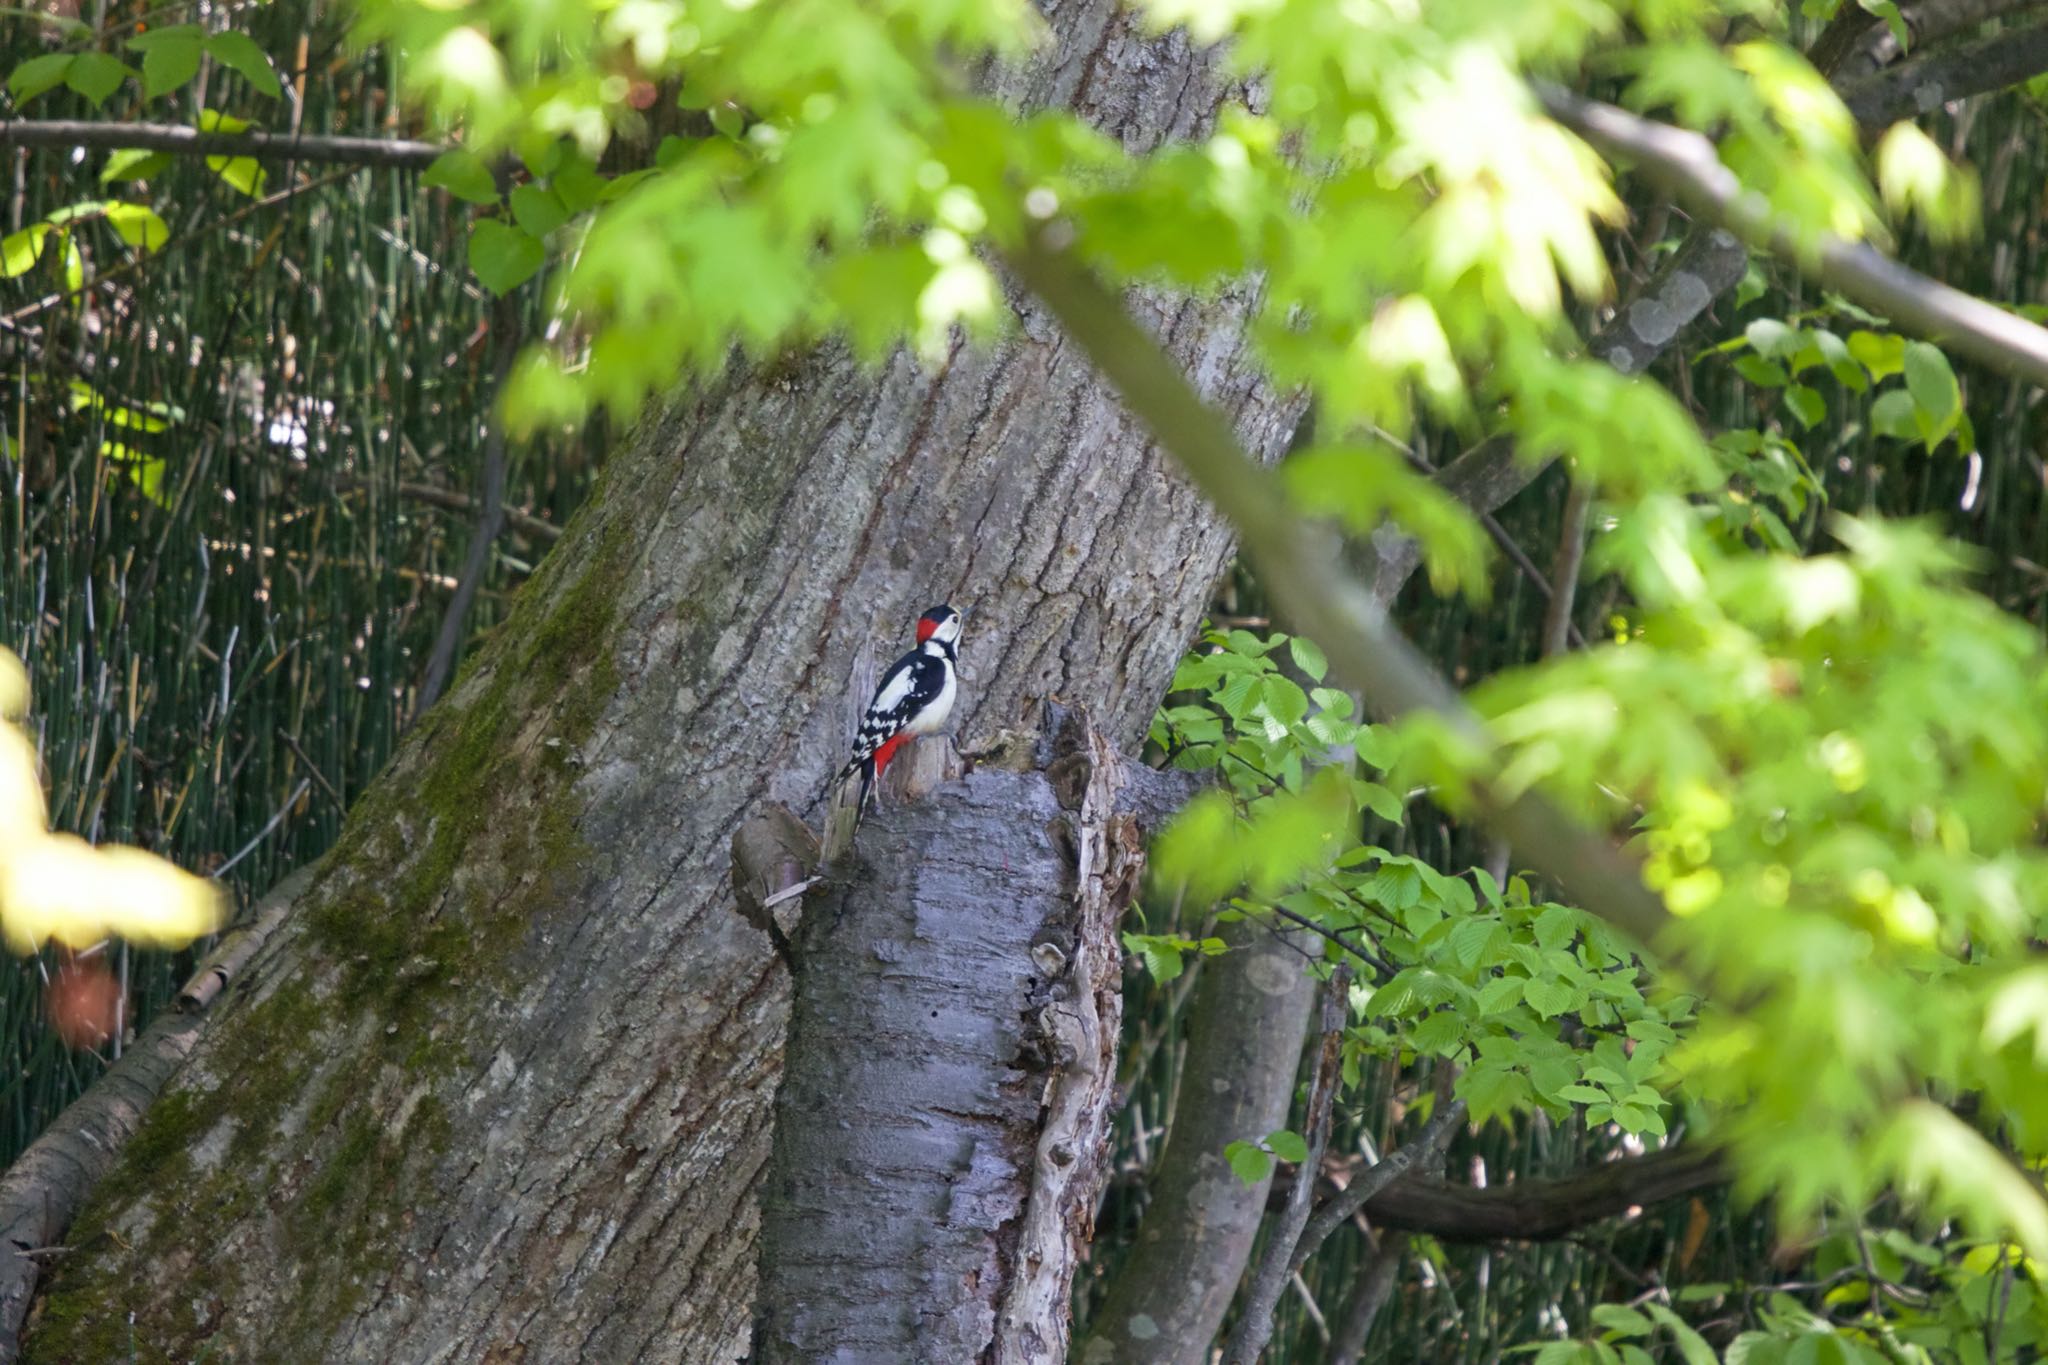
{"points": [[179, 140], [1379, 964], [312, 768], [483, 540], [1269, 1280], [1687, 167], [1564, 574], [1422, 1150], [434, 496]]}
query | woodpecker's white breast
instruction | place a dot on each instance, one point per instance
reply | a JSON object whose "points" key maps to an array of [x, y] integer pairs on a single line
{"points": [[933, 716]]}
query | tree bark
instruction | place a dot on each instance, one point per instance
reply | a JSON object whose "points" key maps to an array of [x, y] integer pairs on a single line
{"points": [[499, 1090], [933, 1185]]}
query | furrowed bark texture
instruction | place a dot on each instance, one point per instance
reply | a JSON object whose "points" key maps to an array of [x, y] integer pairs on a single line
{"points": [[1245, 1031], [950, 1062], [499, 1090]]}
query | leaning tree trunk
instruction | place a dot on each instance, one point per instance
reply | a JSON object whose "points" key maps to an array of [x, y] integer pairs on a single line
{"points": [[500, 1087]]}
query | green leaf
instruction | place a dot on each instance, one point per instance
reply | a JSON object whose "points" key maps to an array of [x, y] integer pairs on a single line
{"points": [[1308, 657], [1381, 802], [240, 172], [1284, 701], [1806, 404], [1765, 374], [39, 74], [1288, 1145], [538, 210], [97, 75], [132, 163], [464, 175], [243, 173], [238, 52], [1556, 926], [1882, 355], [1622, 1320], [1583, 1094], [1894, 413], [1691, 1345], [138, 225], [1549, 998], [1161, 954], [503, 256], [19, 251], [1936, 395], [169, 64], [1772, 339], [1251, 1161], [1501, 994], [1470, 939]]}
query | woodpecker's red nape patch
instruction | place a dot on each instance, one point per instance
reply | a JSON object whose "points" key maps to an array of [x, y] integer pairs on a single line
{"points": [[925, 627]]}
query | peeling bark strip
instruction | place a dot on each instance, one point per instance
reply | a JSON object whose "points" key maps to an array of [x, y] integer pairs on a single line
{"points": [[941, 1131]]}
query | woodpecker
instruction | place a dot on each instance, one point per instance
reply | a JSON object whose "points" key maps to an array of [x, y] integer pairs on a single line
{"points": [[914, 698]]}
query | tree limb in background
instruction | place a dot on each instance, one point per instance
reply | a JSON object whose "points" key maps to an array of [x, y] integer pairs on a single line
{"points": [[1245, 1026], [1269, 1281], [1303, 569], [1927, 23], [1925, 83], [1686, 165], [1371, 1295], [1538, 1210], [182, 141]]}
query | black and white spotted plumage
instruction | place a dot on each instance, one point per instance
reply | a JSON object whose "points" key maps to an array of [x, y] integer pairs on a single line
{"points": [[914, 698]]}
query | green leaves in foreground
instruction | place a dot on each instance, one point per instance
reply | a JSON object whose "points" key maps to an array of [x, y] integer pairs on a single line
{"points": [[1486, 979]]}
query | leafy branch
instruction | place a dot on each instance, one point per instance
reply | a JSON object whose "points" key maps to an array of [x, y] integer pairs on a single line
{"points": [[1305, 570], [1686, 166]]}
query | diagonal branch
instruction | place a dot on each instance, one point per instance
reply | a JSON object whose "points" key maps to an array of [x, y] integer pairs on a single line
{"points": [[1304, 569], [1686, 166], [1927, 82], [1539, 1210], [390, 153]]}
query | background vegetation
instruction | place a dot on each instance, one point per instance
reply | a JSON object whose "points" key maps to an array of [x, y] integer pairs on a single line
{"points": [[246, 460]]}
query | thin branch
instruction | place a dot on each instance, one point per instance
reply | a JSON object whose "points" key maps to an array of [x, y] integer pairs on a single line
{"points": [[1302, 567], [1421, 1151], [1378, 964], [178, 140], [482, 541], [434, 495], [1269, 1280], [1687, 167], [1558, 629]]}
